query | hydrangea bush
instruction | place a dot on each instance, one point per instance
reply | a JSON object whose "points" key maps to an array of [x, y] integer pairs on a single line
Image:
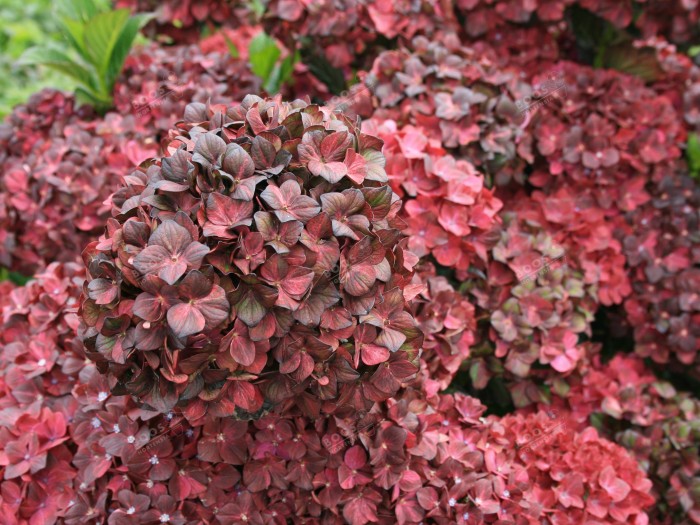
{"points": [[79, 452], [284, 308]]}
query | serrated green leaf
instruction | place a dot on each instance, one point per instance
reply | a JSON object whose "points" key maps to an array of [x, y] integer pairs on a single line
{"points": [[101, 36], [263, 53]]}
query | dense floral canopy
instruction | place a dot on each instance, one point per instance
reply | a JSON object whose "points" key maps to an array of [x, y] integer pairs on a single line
{"points": [[360, 263]]}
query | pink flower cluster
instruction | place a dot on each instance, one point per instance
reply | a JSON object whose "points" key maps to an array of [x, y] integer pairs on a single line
{"points": [[576, 477], [656, 423], [74, 452]]}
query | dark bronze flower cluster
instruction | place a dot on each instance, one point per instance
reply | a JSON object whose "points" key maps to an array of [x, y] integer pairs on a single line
{"points": [[261, 258]]}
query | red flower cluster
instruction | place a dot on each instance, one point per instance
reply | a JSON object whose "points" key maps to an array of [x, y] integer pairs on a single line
{"points": [[604, 133], [260, 258], [181, 20], [675, 19], [458, 95], [576, 477], [72, 452], [447, 320], [657, 424], [282, 295], [662, 247], [58, 165], [539, 297]]}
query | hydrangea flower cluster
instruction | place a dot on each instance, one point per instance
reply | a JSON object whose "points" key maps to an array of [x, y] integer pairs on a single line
{"points": [[448, 322], [540, 298], [56, 172], [575, 476], [607, 135], [459, 95], [675, 19], [283, 296], [181, 20], [662, 248], [259, 259], [650, 418], [449, 212]]}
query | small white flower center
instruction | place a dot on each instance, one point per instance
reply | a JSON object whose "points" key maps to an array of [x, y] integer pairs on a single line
{"points": [[154, 460], [96, 423], [102, 396], [131, 439], [41, 362]]}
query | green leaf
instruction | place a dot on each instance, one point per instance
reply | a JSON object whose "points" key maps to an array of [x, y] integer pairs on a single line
{"points": [[232, 48], [627, 58], [263, 52], [287, 67], [80, 10], [101, 36], [74, 31], [692, 153], [16, 278], [693, 51], [58, 61], [123, 45], [92, 98], [257, 7], [280, 74]]}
